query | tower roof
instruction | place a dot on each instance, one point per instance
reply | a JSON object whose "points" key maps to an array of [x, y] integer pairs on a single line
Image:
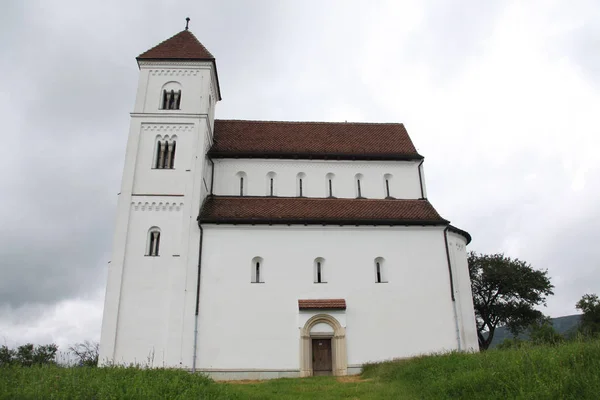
{"points": [[182, 46]]}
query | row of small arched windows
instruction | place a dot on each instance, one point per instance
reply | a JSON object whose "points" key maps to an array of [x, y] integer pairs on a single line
{"points": [[153, 248], [271, 181], [319, 270]]}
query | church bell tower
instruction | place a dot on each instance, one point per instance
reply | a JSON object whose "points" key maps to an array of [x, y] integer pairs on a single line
{"points": [[151, 288]]}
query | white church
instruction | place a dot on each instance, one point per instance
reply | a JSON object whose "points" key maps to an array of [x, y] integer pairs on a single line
{"points": [[265, 249]]}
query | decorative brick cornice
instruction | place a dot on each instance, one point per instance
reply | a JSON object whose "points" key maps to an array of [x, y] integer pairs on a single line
{"points": [[156, 206], [168, 127]]}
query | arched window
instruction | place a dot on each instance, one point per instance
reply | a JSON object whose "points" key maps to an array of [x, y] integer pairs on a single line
{"points": [[242, 182], [301, 184], [387, 178], [257, 270], [271, 189], [329, 181], [170, 96], [164, 156], [380, 275], [319, 270], [357, 179], [153, 242]]}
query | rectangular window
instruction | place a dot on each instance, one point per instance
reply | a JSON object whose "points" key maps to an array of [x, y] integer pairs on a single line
{"points": [[241, 185], [387, 187], [330, 189], [257, 272], [271, 186], [300, 183], [378, 272], [358, 186]]}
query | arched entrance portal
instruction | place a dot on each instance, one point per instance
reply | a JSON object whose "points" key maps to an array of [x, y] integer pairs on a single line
{"points": [[336, 336]]}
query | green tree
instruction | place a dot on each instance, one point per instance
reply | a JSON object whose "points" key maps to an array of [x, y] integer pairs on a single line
{"points": [[590, 320], [505, 292]]}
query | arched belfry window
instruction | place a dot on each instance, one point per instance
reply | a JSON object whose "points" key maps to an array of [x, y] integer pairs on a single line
{"points": [[271, 184], [164, 155], [319, 270], [380, 272], [358, 178], [329, 182], [153, 242], [257, 270], [301, 184], [170, 96], [387, 179], [242, 182]]}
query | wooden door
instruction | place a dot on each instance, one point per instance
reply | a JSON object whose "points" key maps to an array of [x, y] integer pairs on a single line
{"points": [[321, 352]]}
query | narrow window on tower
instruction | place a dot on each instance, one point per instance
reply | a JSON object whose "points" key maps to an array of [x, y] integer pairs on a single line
{"points": [[387, 179], [257, 270], [380, 270], [300, 181], [170, 96], [271, 183], [319, 270], [165, 153], [329, 179], [153, 245]]}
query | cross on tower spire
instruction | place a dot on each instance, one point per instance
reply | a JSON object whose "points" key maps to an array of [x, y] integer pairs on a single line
{"points": [[187, 23]]}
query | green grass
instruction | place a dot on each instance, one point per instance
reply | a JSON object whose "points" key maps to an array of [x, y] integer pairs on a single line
{"points": [[567, 371]]}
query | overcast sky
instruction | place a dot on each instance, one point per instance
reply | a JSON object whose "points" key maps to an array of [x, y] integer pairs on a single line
{"points": [[502, 99]]}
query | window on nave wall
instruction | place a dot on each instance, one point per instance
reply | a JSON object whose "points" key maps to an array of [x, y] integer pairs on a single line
{"points": [[271, 182], [358, 181], [242, 181], [329, 182], [165, 153], [257, 270], [387, 178], [300, 184], [380, 272], [319, 270]]}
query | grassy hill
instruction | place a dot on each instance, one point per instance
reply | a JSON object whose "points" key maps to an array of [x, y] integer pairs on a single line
{"points": [[563, 325], [567, 371]]}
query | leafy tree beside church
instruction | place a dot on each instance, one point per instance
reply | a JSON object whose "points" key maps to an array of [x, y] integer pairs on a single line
{"points": [[505, 292]]}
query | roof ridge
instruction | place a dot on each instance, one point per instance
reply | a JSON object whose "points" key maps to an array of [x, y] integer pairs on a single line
{"points": [[308, 122]]}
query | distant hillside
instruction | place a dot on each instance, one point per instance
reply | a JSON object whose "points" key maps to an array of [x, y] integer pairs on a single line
{"points": [[561, 324]]}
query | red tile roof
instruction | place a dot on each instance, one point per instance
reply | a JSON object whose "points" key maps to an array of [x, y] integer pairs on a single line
{"points": [[321, 304], [332, 211], [183, 45], [319, 140]]}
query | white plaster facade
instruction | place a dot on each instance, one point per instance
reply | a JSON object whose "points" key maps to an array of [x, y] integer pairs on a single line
{"points": [[240, 329]]}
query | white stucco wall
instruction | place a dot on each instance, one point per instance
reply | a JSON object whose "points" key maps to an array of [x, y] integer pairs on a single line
{"points": [[148, 299], [404, 183], [256, 326], [462, 289]]}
